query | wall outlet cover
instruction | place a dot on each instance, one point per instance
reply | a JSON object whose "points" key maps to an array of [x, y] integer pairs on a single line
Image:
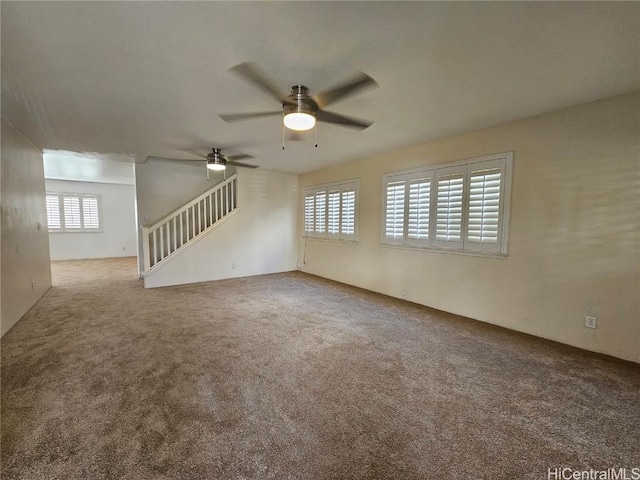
{"points": [[591, 321]]}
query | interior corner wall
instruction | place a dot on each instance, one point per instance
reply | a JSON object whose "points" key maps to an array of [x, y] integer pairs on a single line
{"points": [[574, 247], [25, 265], [118, 235], [258, 238]]}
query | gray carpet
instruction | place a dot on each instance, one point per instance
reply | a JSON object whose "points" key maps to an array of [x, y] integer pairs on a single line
{"points": [[292, 376]]}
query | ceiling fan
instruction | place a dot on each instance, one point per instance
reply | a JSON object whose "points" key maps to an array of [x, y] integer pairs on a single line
{"points": [[300, 110], [216, 160]]}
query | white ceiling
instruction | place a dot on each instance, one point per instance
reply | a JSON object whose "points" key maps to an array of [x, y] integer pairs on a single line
{"points": [[147, 78]]}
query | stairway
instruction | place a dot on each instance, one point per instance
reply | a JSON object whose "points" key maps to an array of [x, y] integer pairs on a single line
{"points": [[170, 236]]}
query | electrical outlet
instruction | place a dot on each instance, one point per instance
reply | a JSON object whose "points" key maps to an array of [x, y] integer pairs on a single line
{"points": [[299, 266], [33, 284], [404, 294], [351, 270], [591, 321], [234, 264]]}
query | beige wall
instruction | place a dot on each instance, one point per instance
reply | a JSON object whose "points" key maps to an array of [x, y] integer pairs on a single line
{"points": [[574, 246], [26, 271]]}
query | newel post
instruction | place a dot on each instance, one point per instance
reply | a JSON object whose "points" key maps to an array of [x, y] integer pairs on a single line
{"points": [[146, 256]]}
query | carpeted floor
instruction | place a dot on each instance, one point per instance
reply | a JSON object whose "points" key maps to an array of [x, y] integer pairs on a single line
{"points": [[292, 376]]}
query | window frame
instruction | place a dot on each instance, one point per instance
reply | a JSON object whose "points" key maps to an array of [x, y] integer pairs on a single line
{"points": [[328, 189], [502, 161], [61, 209]]}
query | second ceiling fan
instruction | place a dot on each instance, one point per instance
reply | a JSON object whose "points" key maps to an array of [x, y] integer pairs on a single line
{"points": [[300, 110]]}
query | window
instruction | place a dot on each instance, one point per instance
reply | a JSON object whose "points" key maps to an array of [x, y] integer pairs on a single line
{"points": [[462, 206], [73, 212], [330, 211]]}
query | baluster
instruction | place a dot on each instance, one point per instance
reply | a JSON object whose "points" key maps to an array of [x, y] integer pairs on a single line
{"points": [[161, 242], [175, 235], [217, 205], [210, 201], [233, 195], [196, 230], [193, 222]]}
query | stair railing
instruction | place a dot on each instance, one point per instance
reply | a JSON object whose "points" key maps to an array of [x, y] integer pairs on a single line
{"points": [[184, 226]]}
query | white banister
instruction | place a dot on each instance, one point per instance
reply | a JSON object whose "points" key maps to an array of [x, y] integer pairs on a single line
{"points": [[186, 224]]}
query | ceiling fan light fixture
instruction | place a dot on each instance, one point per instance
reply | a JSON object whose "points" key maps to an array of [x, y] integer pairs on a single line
{"points": [[216, 164], [299, 121]]}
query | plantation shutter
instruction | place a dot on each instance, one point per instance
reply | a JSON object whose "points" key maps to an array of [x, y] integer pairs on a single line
{"points": [[449, 196], [53, 212], [309, 207], [394, 211], [348, 216], [330, 210], [484, 213], [321, 206], [419, 211], [460, 206], [90, 213], [333, 214], [71, 206]]}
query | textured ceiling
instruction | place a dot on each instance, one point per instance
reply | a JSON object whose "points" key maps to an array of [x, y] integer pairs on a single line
{"points": [[147, 78]]}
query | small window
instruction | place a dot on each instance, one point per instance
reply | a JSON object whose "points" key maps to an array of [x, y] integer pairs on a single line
{"points": [[330, 211], [73, 212], [458, 207]]}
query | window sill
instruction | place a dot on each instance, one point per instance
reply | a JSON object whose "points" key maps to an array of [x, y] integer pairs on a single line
{"points": [[332, 240], [448, 251]]}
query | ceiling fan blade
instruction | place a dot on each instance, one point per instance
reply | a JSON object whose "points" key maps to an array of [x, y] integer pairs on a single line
{"points": [[182, 160], [236, 164], [234, 117], [252, 73], [233, 158], [330, 117], [350, 87], [196, 152]]}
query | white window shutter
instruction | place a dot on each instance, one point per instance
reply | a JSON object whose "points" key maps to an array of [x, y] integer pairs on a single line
{"points": [[449, 207], [309, 210], [348, 215], [309, 206], [419, 211], [72, 218], [54, 220], [459, 206], [90, 213], [394, 211], [321, 213], [486, 184], [333, 213]]}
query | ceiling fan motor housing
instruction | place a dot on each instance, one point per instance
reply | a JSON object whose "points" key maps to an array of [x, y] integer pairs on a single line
{"points": [[301, 102], [215, 157]]}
